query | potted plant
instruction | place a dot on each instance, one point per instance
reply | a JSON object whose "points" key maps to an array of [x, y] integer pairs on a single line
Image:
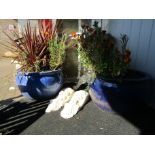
{"points": [[40, 54], [115, 86]]}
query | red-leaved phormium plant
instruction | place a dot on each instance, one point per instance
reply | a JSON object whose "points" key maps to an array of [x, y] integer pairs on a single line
{"points": [[31, 46]]}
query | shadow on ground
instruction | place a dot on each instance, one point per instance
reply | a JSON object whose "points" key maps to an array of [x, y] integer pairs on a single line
{"points": [[143, 118], [15, 116], [142, 115], [18, 113]]}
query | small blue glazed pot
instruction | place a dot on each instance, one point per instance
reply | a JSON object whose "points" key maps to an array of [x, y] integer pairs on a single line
{"points": [[40, 85], [114, 96]]}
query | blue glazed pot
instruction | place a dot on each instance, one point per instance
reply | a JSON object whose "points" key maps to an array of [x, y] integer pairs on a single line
{"points": [[40, 85], [114, 96]]}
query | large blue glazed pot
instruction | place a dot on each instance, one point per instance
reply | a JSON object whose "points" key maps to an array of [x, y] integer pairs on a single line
{"points": [[40, 85], [120, 96]]}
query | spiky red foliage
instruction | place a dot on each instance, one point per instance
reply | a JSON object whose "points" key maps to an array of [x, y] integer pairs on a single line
{"points": [[32, 46]]}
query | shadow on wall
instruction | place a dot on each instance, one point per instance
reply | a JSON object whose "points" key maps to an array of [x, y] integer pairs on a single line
{"points": [[17, 116], [70, 68]]}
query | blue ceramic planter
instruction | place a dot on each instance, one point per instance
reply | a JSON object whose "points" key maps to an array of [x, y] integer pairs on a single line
{"points": [[111, 95], [41, 85]]}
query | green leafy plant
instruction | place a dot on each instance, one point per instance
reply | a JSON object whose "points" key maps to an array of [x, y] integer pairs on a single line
{"points": [[98, 52], [57, 48]]}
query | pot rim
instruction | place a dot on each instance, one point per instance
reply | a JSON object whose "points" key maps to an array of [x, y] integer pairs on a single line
{"points": [[141, 77], [48, 72]]}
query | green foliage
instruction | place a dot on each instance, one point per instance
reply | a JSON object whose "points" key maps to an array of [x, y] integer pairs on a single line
{"points": [[98, 52], [124, 41], [57, 47]]}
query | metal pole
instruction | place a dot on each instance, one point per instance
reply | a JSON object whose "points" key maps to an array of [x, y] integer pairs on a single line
{"points": [[79, 25], [101, 23]]}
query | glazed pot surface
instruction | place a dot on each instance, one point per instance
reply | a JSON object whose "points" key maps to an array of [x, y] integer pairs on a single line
{"points": [[41, 85], [111, 95]]}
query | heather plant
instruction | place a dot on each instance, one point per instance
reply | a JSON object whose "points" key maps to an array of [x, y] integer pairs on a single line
{"points": [[98, 52], [57, 49]]}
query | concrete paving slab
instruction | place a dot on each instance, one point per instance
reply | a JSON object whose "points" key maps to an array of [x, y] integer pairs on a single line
{"points": [[89, 121]]}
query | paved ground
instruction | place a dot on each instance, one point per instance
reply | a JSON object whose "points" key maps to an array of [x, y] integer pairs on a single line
{"points": [[89, 121], [7, 79], [25, 117], [29, 118]]}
